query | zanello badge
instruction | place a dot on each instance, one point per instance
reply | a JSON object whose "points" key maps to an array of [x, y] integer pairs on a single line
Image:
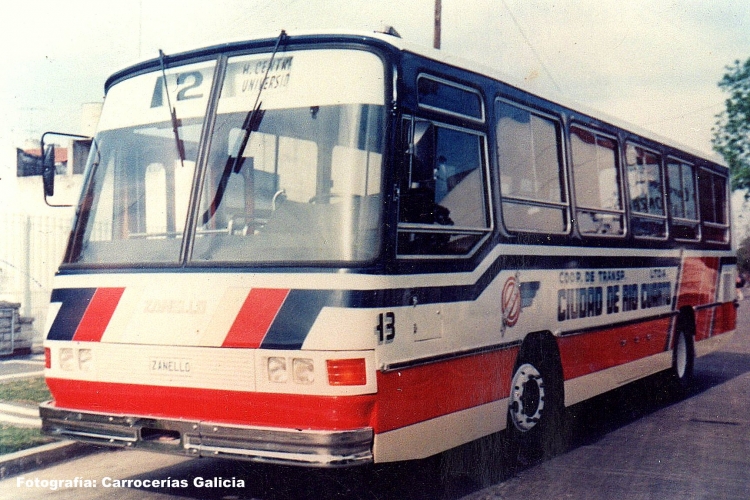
{"points": [[515, 297]]}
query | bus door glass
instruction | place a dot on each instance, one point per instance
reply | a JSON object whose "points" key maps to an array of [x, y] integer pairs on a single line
{"points": [[443, 205]]}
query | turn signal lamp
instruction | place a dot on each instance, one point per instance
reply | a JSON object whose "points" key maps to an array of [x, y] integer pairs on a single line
{"points": [[347, 371], [47, 357]]}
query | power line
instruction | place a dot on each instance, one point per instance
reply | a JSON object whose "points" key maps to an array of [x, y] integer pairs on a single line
{"points": [[438, 24], [533, 50]]}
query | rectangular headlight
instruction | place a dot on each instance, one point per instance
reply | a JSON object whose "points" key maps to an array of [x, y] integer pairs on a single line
{"points": [[277, 371], [304, 371], [85, 360], [67, 359]]}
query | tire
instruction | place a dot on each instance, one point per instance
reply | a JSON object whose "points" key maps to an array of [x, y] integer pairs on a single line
{"points": [[683, 358], [536, 410]]}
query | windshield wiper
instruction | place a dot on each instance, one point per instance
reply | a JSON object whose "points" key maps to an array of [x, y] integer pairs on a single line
{"points": [[255, 116], [172, 113], [251, 123]]}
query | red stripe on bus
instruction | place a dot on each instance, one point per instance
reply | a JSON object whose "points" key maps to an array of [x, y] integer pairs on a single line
{"points": [[725, 319], [698, 281], [697, 288], [591, 352], [255, 317], [417, 394], [98, 313], [291, 411]]}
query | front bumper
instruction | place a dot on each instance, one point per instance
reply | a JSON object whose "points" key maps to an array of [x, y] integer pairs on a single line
{"points": [[205, 439]]}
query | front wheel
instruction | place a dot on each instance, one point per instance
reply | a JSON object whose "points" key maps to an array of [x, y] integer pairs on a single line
{"points": [[536, 409], [527, 398]]}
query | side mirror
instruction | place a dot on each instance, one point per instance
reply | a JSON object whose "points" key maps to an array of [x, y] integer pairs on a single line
{"points": [[48, 165], [48, 170]]}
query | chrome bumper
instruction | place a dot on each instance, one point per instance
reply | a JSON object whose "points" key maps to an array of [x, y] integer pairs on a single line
{"points": [[206, 439]]}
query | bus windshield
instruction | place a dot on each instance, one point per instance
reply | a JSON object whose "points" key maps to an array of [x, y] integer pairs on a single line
{"points": [[291, 173]]}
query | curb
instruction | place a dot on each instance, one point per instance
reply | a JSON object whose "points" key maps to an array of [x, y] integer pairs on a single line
{"points": [[42, 456]]}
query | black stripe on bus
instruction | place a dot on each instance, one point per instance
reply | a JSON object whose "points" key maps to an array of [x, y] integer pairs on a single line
{"points": [[296, 317], [74, 303]]}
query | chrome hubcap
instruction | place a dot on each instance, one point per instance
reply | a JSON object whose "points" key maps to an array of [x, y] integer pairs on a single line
{"points": [[526, 398], [681, 355]]}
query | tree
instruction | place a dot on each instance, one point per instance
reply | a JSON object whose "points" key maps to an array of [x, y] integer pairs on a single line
{"points": [[732, 131], [743, 257]]}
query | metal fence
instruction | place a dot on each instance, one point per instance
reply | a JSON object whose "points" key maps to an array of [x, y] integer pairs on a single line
{"points": [[31, 249]]}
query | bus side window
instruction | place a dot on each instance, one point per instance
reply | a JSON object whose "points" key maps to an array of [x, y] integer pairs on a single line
{"points": [[648, 219], [713, 204], [443, 207], [597, 184], [529, 157], [682, 200]]}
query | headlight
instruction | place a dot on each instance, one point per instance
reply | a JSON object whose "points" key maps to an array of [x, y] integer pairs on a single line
{"points": [[67, 359], [304, 372], [277, 370], [85, 360]]}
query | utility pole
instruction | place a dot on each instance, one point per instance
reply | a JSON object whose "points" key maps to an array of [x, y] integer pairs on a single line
{"points": [[438, 9]]}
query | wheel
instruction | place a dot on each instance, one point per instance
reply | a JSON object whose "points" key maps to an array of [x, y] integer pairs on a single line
{"points": [[536, 409], [527, 398], [683, 357]]}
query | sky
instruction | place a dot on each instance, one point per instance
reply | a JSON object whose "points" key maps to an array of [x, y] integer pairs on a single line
{"points": [[654, 63]]}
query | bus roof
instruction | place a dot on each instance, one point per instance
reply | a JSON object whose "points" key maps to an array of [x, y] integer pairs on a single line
{"points": [[433, 54]]}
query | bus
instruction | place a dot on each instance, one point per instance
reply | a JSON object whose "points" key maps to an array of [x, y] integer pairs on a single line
{"points": [[334, 249]]}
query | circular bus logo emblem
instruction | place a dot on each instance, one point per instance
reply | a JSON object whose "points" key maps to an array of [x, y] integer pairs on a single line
{"points": [[511, 302]]}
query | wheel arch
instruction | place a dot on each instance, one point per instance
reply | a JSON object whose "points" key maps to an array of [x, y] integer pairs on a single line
{"points": [[541, 350], [541, 345], [686, 321]]}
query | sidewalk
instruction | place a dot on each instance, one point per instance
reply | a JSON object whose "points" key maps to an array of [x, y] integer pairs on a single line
{"points": [[24, 461], [20, 415], [27, 416]]}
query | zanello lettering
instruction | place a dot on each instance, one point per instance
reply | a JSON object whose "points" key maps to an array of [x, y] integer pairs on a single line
{"points": [[173, 306], [180, 366]]}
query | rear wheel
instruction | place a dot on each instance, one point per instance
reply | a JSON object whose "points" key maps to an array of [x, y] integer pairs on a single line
{"points": [[536, 410], [683, 357]]}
